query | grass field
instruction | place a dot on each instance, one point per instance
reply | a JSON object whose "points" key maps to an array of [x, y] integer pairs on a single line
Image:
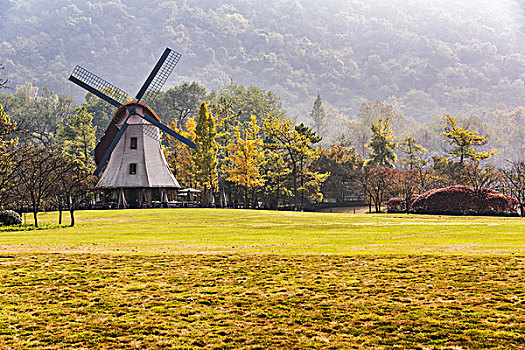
{"points": [[255, 279], [250, 231]]}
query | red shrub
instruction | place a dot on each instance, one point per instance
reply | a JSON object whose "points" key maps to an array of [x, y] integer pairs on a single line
{"points": [[464, 200]]}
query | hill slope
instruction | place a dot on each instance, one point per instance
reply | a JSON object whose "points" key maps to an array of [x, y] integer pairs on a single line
{"points": [[426, 57]]}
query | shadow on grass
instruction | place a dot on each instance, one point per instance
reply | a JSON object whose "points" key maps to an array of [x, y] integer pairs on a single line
{"points": [[30, 227]]}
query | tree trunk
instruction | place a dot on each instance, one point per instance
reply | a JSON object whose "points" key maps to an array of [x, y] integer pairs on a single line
{"points": [[236, 205], [302, 184], [72, 214], [35, 216], [294, 175], [59, 211], [278, 191]]}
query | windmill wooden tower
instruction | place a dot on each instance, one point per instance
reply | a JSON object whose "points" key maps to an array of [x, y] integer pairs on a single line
{"points": [[130, 153]]}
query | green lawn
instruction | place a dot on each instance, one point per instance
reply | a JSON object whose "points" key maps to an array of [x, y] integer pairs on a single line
{"points": [[224, 279], [250, 231]]}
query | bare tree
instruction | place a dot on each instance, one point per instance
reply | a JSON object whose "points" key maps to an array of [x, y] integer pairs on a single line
{"points": [[478, 176], [74, 180], [35, 174], [515, 179], [376, 182]]}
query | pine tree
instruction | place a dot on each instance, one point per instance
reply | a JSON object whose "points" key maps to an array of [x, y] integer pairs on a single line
{"points": [[413, 152], [296, 142], [318, 115], [205, 152], [464, 140], [382, 145]]}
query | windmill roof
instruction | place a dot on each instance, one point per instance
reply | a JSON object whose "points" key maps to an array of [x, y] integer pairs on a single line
{"points": [[143, 105]]}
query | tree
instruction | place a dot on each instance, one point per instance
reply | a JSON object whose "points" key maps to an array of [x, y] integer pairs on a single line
{"points": [[376, 182], [276, 173], [205, 152], [78, 135], [413, 154], [310, 181], [180, 156], [445, 171], [405, 184], [246, 158], [35, 174], [463, 141], [280, 135], [318, 116], [74, 172], [370, 113], [101, 111], [515, 178], [478, 176], [74, 180], [382, 146], [7, 152], [249, 101], [359, 136], [296, 143], [343, 164], [180, 102], [38, 113]]}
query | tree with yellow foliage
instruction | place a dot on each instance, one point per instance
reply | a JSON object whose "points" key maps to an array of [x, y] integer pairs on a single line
{"points": [[245, 159], [179, 156]]}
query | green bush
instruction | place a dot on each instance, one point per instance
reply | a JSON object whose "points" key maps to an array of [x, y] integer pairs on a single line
{"points": [[9, 218]]}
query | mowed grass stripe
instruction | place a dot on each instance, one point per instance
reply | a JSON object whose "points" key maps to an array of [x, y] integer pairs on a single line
{"points": [[250, 231]]}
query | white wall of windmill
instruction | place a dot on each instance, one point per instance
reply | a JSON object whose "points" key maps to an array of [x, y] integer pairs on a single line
{"points": [[151, 169]]}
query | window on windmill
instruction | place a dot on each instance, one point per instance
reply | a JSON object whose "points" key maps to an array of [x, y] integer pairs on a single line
{"points": [[133, 144], [132, 168]]}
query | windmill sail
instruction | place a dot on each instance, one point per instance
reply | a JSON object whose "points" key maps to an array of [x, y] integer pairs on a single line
{"points": [[99, 87], [158, 76]]}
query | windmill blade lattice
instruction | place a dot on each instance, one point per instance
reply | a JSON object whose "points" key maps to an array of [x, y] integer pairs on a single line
{"points": [[158, 76], [91, 80], [150, 130]]}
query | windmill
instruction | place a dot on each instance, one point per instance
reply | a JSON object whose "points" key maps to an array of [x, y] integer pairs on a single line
{"points": [[130, 153]]}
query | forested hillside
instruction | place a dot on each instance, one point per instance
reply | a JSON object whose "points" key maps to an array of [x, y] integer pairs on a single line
{"points": [[425, 58]]}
